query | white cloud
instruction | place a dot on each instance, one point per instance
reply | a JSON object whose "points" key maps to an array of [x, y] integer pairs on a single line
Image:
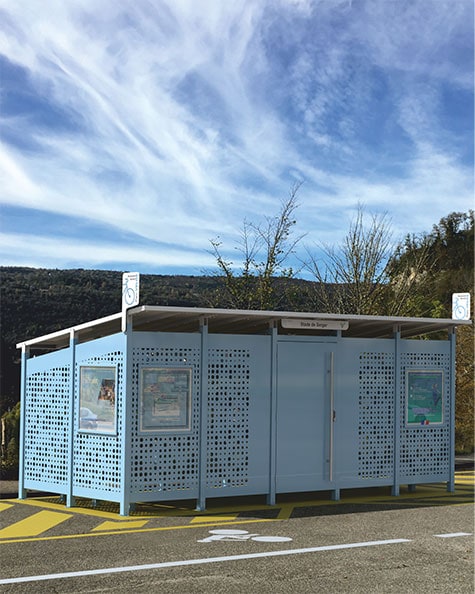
{"points": [[175, 120], [37, 251]]}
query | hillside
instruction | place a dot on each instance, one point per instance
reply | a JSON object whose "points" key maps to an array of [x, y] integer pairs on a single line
{"points": [[39, 301]]}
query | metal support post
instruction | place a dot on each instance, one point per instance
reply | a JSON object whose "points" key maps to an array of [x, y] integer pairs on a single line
{"points": [[271, 495], [451, 481], [203, 445], [125, 421], [72, 396], [25, 352], [397, 410]]}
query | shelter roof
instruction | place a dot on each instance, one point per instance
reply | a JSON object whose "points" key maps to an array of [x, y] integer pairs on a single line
{"points": [[152, 318]]}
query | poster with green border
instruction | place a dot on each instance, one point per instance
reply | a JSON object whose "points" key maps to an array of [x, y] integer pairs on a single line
{"points": [[165, 399], [97, 399], [424, 397]]}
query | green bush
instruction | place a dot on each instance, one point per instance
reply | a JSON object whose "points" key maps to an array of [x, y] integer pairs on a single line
{"points": [[10, 438]]}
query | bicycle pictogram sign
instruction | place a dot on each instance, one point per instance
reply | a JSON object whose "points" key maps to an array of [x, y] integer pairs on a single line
{"points": [[461, 306], [130, 289], [241, 535]]}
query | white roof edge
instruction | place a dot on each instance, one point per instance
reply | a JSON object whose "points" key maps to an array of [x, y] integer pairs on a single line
{"points": [[67, 331], [293, 314], [448, 322]]}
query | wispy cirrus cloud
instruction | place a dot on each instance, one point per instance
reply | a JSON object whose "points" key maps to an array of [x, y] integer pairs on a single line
{"points": [[169, 123]]}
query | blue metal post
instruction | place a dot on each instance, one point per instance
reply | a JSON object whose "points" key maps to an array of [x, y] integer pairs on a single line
{"points": [[21, 470], [271, 496], [72, 393], [397, 409], [451, 481], [203, 445], [126, 395]]}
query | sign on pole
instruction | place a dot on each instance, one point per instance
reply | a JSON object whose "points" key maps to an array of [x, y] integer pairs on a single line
{"points": [[130, 289], [460, 306]]}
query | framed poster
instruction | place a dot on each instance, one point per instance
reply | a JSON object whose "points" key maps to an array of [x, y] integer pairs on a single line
{"points": [[424, 397], [165, 398], [97, 399]]}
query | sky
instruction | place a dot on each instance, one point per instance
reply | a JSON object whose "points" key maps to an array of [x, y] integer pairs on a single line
{"points": [[132, 133]]}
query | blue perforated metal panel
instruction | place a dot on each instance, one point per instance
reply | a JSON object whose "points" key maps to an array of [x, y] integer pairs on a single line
{"points": [[47, 426], [425, 449], [228, 418], [376, 415], [97, 465], [165, 464]]}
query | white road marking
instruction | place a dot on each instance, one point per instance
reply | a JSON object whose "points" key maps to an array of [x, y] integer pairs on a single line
{"points": [[227, 535], [453, 534], [271, 538], [186, 562]]}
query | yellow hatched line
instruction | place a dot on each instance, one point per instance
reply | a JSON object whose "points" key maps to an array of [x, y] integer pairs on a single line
{"points": [[4, 506], [34, 525], [125, 530], [463, 481], [216, 519], [76, 510], [107, 525]]}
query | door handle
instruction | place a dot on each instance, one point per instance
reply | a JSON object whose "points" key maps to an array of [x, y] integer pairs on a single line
{"points": [[332, 414]]}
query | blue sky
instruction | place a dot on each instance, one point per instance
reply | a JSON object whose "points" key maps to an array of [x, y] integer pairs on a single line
{"points": [[133, 132]]}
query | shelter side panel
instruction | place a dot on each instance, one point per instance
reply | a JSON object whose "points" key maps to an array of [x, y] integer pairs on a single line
{"points": [[238, 415], [165, 416], [425, 402], [98, 422], [364, 417], [47, 401]]}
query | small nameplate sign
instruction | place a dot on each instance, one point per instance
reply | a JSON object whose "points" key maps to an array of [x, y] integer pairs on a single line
{"points": [[309, 324]]}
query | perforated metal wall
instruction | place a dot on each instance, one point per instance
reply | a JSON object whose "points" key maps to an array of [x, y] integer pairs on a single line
{"points": [[144, 462], [376, 416], [165, 462], [228, 418], [425, 449], [47, 426], [97, 457]]}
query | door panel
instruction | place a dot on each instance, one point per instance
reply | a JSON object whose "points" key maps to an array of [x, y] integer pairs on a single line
{"points": [[302, 416]]}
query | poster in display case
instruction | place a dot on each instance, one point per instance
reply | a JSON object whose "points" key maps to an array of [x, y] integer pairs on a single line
{"points": [[424, 397], [97, 399], [165, 399]]}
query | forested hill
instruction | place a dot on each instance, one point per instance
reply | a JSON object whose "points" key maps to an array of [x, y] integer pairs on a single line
{"points": [[39, 301]]}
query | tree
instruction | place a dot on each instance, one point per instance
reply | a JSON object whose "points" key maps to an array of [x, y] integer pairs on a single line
{"points": [[464, 389], [436, 264], [354, 277], [264, 251], [448, 257], [10, 429]]}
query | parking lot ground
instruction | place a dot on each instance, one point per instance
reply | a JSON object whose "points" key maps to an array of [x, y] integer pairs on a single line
{"points": [[367, 542], [47, 518]]}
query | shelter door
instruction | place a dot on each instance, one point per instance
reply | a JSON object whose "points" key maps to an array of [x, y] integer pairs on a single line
{"points": [[303, 409]]}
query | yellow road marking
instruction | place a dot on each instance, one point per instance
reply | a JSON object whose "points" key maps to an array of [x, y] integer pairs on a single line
{"points": [[76, 510], [34, 525], [126, 531], [120, 526], [426, 493], [286, 511], [215, 519]]}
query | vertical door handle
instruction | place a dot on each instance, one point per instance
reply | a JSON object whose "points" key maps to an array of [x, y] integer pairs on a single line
{"points": [[332, 413]]}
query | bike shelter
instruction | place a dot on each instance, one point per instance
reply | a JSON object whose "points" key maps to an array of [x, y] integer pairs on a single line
{"points": [[168, 403]]}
